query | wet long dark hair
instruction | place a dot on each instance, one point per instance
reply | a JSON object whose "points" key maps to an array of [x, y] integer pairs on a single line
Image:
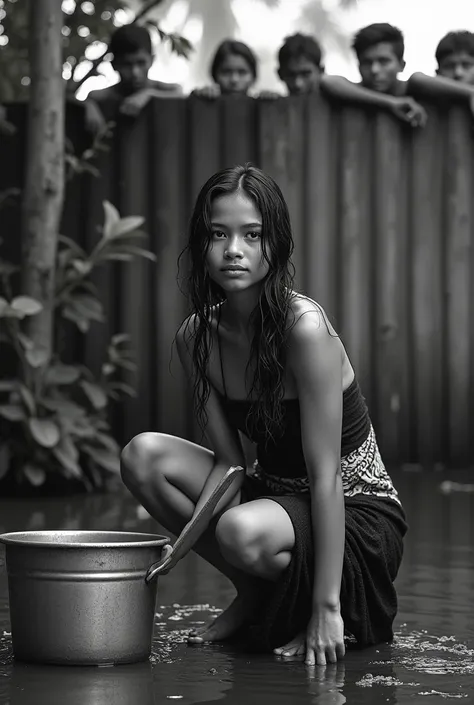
{"points": [[270, 318]]}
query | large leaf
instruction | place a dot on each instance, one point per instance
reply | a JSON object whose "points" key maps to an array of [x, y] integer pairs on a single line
{"points": [[64, 408], [37, 357], [95, 394], [4, 306], [26, 342], [67, 454], [28, 399], [7, 385], [72, 315], [12, 412], [35, 475], [87, 306], [45, 432], [129, 251], [111, 217], [26, 305], [62, 374], [107, 460], [124, 226]]}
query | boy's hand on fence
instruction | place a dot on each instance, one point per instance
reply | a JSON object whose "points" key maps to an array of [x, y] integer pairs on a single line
{"points": [[134, 104], [407, 109], [208, 92]]}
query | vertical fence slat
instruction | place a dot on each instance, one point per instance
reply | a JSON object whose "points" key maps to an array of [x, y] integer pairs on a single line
{"points": [[238, 131], [459, 197], [390, 326], [320, 193], [425, 260], [204, 154], [354, 278], [169, 229], [280, 154], [134, 277]]}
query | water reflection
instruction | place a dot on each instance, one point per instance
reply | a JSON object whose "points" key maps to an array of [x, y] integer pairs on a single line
{"points": [[431, 659], [30, 684]]}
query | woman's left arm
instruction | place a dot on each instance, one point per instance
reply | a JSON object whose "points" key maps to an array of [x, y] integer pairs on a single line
{"points": [[315, 359]]}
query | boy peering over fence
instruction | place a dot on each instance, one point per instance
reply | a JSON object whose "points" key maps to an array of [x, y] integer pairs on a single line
{"points": [[301, 68], [132, 59], [454, 80]]}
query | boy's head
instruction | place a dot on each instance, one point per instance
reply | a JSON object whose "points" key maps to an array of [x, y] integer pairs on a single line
{"points": [[300, 64], [379, 49], [455, 56], [133, 56]]}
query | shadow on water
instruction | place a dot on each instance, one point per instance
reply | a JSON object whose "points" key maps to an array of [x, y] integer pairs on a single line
{"points": [[430, 660]]}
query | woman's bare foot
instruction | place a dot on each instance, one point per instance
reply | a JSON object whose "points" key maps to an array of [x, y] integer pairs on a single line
{"points": [[295, 647], [227, 623]]}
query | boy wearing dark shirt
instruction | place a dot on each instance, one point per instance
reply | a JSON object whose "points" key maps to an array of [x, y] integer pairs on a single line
{"points": [[301, 69], [132, 59]]}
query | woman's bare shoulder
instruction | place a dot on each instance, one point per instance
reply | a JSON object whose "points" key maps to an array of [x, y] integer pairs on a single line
{"points": [[305, 315]]}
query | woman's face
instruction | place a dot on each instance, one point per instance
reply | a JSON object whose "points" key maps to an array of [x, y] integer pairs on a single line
{"points": [[235, 256], [234, 75]]}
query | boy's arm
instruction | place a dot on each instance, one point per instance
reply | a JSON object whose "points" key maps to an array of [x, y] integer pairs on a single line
{"points": [[404, 107], [419, 84]]}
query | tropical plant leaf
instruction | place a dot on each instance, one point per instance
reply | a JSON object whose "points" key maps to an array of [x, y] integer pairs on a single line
{"points": [[83, 267], [107, 460], [131, 251], [124, 226], [72, 245], [67, 454], [26, 342], [7, 385], [95, 394], [45, 432], [26, 305], [12, 412], [111, 217], [36, 357], [4, 306], [71, 314], [28, 399], [35, 474], [60, 374]]}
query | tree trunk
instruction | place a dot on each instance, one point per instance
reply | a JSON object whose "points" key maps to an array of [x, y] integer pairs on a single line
{"points": [[44, 182]]}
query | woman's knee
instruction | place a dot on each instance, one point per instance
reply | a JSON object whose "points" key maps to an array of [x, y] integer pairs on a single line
{"points": [[240, 537], [140, 459]]}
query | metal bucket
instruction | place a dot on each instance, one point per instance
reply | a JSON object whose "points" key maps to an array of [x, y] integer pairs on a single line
{"points": [[80, 597]]}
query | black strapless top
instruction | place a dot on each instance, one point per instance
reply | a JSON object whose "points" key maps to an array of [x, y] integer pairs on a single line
{"points": [[284, 455]]}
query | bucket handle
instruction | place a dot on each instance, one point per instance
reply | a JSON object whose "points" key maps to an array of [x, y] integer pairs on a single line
{"points": [[191, 531]]}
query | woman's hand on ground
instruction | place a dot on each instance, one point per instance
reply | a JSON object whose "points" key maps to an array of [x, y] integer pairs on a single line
{"points": [[323, 641], [324, 637]]}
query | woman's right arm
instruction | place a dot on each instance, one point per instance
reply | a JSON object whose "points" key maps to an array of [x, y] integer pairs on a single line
{"points": [[224, 439]]}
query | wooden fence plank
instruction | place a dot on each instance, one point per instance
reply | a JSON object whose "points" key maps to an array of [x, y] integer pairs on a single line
{"points": [[425, 259], [320, 208], [458, 189], [389, 292], [354, 272], [169, 238]]}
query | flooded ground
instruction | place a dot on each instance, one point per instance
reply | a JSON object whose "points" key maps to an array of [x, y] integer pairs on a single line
{"points": [[430, 661]]}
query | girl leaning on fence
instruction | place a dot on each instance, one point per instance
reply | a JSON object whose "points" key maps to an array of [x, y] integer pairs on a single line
{"points": [[312, 538]]}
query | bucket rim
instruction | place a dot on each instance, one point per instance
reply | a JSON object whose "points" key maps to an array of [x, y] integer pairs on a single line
{"points": [[24, 538]]}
